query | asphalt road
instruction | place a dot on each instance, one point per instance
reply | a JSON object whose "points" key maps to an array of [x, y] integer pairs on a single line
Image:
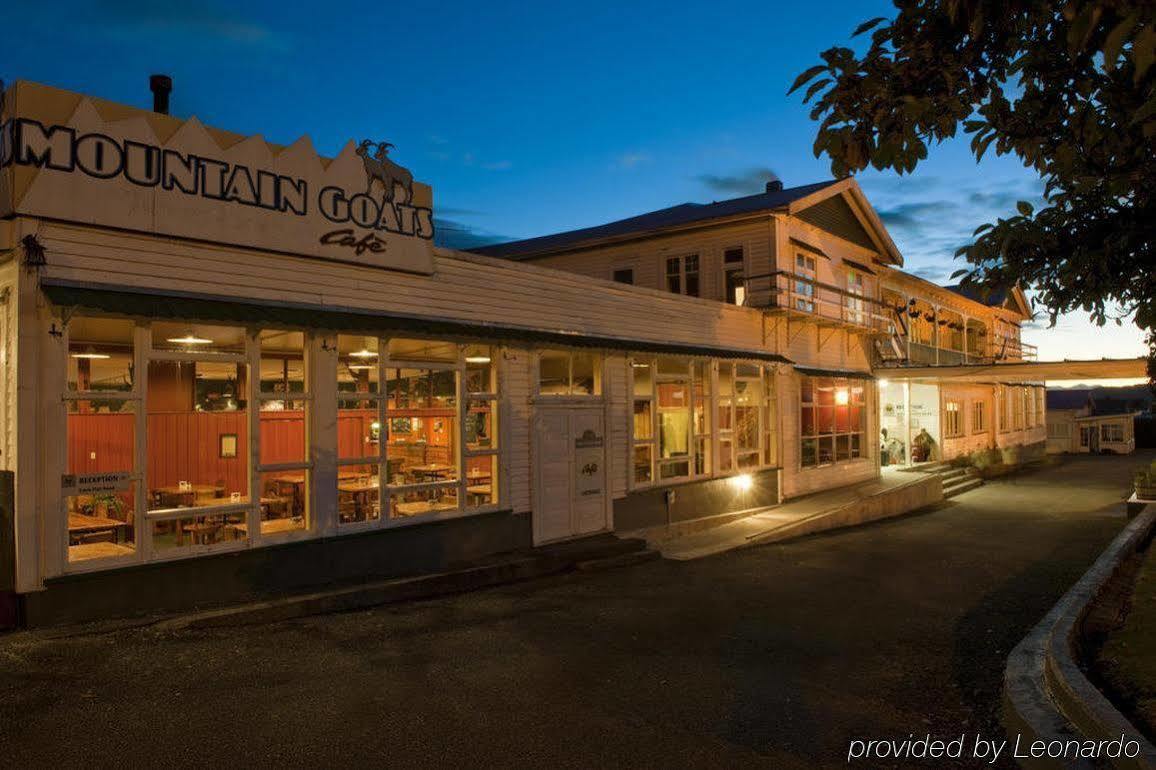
{"points": [[775, 656]]}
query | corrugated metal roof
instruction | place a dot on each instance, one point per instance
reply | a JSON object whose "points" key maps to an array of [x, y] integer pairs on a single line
{"points": [[850, 374], [992, 298], [683, 214], [193, 307]]}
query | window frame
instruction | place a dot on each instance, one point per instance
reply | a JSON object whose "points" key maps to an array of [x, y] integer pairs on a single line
{"points": [[682, 274], [953, 418], [730, 267], [819, 436]]}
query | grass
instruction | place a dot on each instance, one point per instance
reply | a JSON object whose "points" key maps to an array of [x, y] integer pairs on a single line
{"points": [[1127, 660]]}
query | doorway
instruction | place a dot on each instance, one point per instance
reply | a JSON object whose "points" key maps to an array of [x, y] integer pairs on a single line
{"points": [[570, 497]]}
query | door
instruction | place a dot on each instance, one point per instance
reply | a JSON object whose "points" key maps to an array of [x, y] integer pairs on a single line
{"points": [[570, 478]]}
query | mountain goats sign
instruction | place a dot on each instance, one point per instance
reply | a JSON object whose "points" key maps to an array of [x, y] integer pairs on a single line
{"points": [[68, 157]]}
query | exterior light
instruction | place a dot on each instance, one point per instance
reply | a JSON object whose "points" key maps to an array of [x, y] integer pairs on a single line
{"points": [[364, 353], [842, 396], [477, 359], [189, 339], [375, 425], [742, 482]]}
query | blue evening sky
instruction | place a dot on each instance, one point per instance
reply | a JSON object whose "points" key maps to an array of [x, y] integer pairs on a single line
{"points": [[529, 118]]}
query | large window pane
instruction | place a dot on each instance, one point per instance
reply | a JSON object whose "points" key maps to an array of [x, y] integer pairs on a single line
{"points": [[100, 354], [481, 424], [642, 463], [359, 428], [481, 481], [198, 449], [643, 425], [422, 419], [284, 499], [282, 432], [584, 375], [169, 534], [357, 364], [643, 378], [418, 502], [101, 452], [480, 369], [673, 419], [423, 350]]}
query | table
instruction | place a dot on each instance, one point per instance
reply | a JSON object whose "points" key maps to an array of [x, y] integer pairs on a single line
{"points": [[359, 492], [271, 526], [79, 523], [98, 551], [431, 470], [191, 493], [479, 493]]}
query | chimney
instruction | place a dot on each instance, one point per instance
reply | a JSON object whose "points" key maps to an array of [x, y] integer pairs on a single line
{"points": [[161, 86], [774, 185]]}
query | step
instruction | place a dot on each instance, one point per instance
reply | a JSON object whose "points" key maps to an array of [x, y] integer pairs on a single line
{"points": [[959, 488], [615, 562], [954, 473]]}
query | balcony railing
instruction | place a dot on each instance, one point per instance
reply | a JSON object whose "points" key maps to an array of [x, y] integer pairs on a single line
{"points": [[799, 295], [898, 351]]}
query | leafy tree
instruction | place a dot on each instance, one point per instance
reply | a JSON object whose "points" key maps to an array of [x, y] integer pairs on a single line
{"points": [[1068, 87]]}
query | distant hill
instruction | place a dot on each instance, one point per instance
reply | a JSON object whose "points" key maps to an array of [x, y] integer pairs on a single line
{"points": [[1118, 399]]}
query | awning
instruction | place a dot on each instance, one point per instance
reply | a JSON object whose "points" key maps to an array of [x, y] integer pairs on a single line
{"points": [[809, 247], [844, 373], [188, 307], [859, 266]]}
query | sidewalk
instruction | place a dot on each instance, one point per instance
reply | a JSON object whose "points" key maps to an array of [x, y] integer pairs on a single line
{"points": [[893, 494]]}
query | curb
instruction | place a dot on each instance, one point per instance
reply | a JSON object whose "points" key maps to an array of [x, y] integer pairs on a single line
{"points": [[1046, 695]]}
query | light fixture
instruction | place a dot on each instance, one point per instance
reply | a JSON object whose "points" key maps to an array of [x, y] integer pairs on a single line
{"points": [[360, 367], [842, 396], [189, 339], [477, 359], [743, 482], [90, 354], [884, 383], [364, 353], [639, 365], [375, 425]]}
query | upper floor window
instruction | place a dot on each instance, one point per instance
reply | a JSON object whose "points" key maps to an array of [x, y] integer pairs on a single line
{"points": [[804, 282], [734, 279], [624, 275], [682, 275], [856, 288]]}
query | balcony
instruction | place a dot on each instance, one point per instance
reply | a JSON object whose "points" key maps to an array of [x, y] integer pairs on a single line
{"points": [[897, 351], [799, 296]]}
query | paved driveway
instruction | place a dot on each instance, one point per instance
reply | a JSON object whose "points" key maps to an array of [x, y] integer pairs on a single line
{"points": [[774, 656]]}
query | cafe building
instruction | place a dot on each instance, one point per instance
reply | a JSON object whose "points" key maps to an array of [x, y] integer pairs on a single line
{"points": [[232, 369]]}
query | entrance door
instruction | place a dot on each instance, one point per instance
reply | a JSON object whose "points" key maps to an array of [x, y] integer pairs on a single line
{"points": [[570, 478], [1090, 438]]}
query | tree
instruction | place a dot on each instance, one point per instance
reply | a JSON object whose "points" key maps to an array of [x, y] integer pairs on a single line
{"points": [[1068, 87]]}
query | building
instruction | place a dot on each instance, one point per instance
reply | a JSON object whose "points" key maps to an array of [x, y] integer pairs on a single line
{"points": [[819, 263], [230, 368], [1078, 423]]}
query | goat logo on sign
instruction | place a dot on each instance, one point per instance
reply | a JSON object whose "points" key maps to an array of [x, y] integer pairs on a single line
{"points": [[378, 167]]}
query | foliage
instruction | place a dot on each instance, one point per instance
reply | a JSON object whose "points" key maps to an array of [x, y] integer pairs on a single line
{"points": [[1067, 87]]}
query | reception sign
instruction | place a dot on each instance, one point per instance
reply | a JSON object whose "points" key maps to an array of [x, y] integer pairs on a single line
{"points": [[73, 158]]}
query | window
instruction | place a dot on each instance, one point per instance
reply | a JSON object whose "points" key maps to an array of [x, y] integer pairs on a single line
{"points": [[682, 275], [676, 423], [102, 427], [569, 373], [1061, 430], [198, 390], [1016, 395], [856, 288], [734, 280], [422, 416], [804, 282], [832, 420], [1112, 431], [624, 275], [978, 417], [283, 462], [952, 418]]}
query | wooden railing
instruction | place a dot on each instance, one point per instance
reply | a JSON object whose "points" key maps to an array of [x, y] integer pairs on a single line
{"points": [[797, 294]]}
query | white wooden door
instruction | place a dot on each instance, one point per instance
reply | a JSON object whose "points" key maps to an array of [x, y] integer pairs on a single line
{"points": [[570, 472]]}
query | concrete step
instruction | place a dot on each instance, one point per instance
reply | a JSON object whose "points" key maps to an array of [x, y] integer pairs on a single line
{"points": [[954, 473], [963, 485], [614, 562]]}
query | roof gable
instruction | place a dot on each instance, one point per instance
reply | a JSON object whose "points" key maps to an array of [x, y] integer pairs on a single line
{"points": [[835, 216]]}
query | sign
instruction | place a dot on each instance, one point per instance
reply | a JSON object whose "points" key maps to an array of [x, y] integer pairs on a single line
{"points": [[95, 483], [589, 474], [68, 157]]}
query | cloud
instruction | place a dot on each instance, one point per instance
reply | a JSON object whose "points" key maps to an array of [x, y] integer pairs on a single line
{"points": [[452, 234], [752, 180], [205, 19], [915, 214]]}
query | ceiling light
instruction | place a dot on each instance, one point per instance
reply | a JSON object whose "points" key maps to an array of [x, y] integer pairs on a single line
{"points": [[360, 367], [364, 353], [477, 359], [189, 339]]}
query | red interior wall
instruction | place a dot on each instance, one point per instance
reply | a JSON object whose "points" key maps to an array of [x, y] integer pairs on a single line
{"points": [[185, 446]]}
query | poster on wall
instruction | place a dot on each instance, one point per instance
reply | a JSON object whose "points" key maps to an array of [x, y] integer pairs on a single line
{"points": [[588, 471]]}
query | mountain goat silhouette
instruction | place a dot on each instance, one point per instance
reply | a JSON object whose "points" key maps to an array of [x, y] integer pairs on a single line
{"points": [[379, 167]]}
